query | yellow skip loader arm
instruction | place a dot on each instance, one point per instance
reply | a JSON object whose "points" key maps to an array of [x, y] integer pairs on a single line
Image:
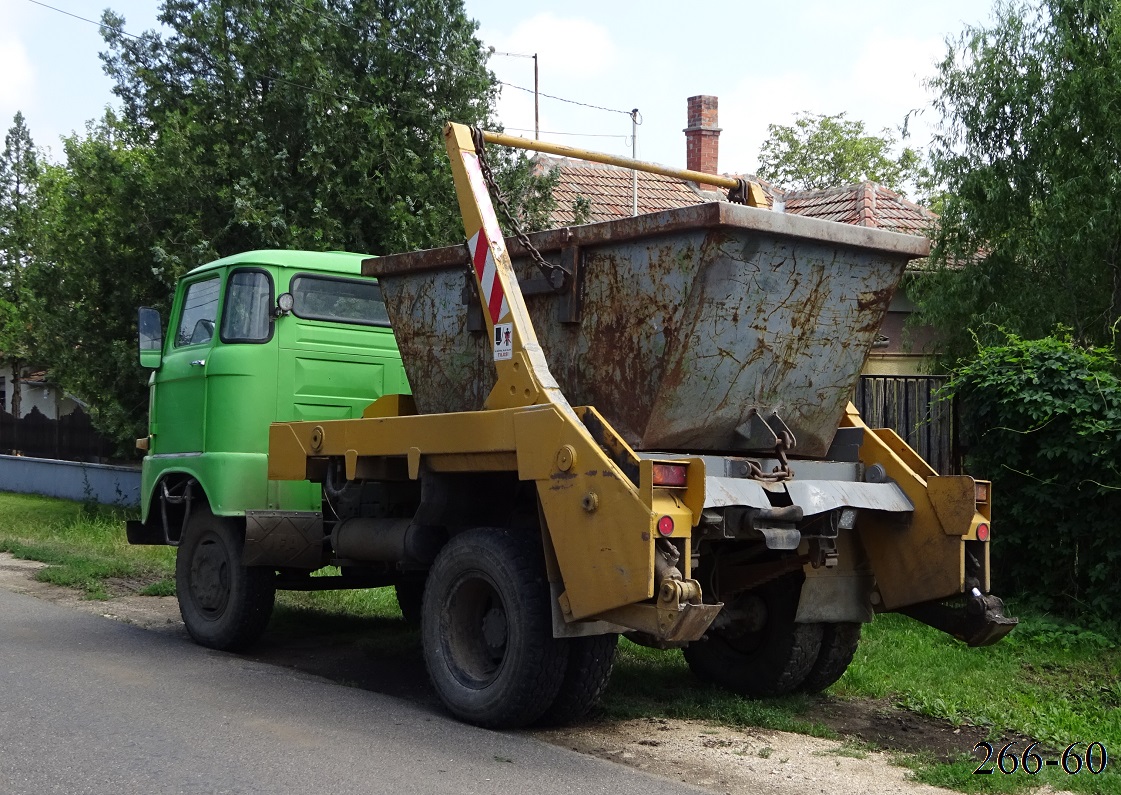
{"points": [[618, 528], [617, 541], [943, 550]]}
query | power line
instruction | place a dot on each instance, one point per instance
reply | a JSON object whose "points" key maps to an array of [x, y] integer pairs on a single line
{"points": [[249, 71], [87, 19], [561, 99], [350, 98], [332, 18], [579, 135]]}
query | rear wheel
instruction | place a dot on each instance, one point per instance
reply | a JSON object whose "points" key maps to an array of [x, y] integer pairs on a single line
{"points": [[225, 604], [590, 662], [838, 645], [766, 653], [487, 632]]}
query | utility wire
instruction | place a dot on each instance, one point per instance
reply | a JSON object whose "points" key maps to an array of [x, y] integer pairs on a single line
{"points": [[337, 21], [347, 98], [249, 71], [87, 19], [579, 135]]}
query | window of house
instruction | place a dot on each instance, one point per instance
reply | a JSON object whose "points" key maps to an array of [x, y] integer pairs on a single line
{"points": [[200, 310], [245, 317], [356, 301]]}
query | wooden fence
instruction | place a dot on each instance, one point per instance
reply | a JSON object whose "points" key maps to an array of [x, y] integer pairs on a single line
{"points": [[71, 437], [911, 407]]}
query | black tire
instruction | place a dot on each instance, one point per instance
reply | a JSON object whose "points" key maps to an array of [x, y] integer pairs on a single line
{"points": [[770, 660], [487, 630], [838, 645], [410, 598], [225, 605], [590, 662]]}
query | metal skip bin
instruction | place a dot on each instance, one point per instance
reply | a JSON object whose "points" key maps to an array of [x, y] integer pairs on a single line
{"points": [[705, 328]]}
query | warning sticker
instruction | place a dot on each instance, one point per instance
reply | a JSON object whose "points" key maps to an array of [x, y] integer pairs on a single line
{"points": [[503, 341]]}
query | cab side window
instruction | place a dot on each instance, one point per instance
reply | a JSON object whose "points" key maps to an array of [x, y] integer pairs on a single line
{"points": [[339, 300], [248, 301], [200, 310]]}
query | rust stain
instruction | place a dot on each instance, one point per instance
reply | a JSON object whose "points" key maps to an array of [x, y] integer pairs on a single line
{"points": [[683, 331]]}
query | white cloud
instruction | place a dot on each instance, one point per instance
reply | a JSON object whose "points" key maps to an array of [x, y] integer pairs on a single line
{"points": [[571, 48], [756, 103], [879, 88], [571, 53], [888, 82], [18, 76]]}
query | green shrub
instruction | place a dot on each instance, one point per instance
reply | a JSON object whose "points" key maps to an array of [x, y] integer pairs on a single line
{"points": [[1042, 419]]}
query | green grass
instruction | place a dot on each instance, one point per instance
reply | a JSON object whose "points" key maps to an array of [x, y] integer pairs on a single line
{"points": [[1050, 681], [651, 683], [84, 549]]}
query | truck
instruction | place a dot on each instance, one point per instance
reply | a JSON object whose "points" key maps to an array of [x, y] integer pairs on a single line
{"points": [[638, 427]]}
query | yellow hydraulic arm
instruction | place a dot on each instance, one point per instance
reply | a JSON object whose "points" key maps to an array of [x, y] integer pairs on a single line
{"points": [[601, 525], [617, 534]]}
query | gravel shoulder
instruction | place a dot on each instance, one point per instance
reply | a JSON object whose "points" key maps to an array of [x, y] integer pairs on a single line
{"points": [[716, 758]]}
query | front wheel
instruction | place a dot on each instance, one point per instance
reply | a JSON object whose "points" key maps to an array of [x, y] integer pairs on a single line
{"points": [[486, 629], [225, 605]]}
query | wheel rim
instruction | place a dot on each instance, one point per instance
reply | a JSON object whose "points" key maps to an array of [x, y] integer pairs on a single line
{"points": [[477, 631], [210, 577], [751, 635]]}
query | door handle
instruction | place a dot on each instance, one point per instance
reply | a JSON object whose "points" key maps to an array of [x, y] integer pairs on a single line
{"points": [[198, 363]]}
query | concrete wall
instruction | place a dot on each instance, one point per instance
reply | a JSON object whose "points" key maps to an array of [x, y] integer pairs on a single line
{"points": [[109, 485]]}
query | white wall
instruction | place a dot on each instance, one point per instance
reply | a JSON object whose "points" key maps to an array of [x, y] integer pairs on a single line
{"points": [[46, 397]]}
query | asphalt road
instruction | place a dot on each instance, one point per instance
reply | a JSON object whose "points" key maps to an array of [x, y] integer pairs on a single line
{"points": [[90, 705]]}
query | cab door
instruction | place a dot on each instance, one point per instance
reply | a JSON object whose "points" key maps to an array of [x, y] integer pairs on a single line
{"points": [[180, 393]]}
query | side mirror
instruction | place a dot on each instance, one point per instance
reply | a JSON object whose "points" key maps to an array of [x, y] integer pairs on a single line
{"points": [[151, 337]]}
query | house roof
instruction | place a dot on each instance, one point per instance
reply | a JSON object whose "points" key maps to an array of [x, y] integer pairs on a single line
{"points": [[864, 204], [609, 191]]}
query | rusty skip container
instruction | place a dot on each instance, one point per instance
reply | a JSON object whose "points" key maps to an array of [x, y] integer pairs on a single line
{"points": [[708, 328]]}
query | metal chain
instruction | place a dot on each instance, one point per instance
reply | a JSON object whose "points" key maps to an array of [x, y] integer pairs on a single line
{"points": [[555, 274], [780, 472]]}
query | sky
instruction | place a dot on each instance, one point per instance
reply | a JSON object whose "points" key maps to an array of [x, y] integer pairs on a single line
{"points": [[764, 61]]}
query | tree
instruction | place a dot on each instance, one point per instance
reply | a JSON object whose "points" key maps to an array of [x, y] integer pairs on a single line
{"points": [[1029, 152], [307, 123], [820, 151], [106, 228], [1041, 419], [19, 175]]}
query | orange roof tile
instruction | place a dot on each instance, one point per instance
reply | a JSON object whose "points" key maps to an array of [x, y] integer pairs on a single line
{"points": [[609, 191]]}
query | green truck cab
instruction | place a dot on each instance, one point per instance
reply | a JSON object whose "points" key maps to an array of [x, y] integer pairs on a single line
{"points": [[256, 338]]}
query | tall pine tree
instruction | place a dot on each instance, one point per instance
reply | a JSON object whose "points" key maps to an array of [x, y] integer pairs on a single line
{"points": [[19, 229]]}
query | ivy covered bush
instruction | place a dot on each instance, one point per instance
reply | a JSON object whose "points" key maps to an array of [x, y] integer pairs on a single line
{"points": [[1042, 420]]}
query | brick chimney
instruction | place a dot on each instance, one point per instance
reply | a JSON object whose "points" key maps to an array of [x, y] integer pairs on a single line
{"points": [[702, 136]]}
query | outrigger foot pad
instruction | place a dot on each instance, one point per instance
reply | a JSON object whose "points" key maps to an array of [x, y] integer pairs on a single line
{"points": [[980, 621]]}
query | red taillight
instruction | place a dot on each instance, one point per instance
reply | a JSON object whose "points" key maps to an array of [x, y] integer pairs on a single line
{"points": [[665, 525], [982, 532], [669, 475]]}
